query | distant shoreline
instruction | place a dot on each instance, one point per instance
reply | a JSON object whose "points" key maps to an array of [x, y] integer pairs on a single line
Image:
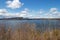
{"points": [[30, 19]]}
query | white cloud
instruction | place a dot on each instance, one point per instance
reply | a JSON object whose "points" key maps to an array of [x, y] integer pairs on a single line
{"points": [[14, 4], [53, 10], [52, 13], [3, 11], [23, 13]]}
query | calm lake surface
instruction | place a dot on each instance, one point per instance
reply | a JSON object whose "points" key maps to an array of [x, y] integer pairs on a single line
{"points": [[40, 24]]}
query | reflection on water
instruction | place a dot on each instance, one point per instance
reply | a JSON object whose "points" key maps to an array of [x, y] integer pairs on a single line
{"points": [[40, 24]]}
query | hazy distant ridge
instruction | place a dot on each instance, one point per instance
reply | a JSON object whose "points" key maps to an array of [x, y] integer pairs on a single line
{"points": [[21, 18]]}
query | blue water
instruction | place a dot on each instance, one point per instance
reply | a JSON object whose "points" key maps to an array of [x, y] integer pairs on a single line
{"points": [[40, 24]]}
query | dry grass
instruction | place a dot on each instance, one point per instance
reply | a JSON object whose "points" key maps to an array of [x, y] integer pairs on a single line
{"points": [[27, 31]]}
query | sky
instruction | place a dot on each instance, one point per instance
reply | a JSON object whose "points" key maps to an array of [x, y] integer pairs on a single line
{"points": [[30, 8]]}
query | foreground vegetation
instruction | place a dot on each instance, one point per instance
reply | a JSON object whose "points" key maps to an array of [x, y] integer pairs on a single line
{"points": [[27, 31]]}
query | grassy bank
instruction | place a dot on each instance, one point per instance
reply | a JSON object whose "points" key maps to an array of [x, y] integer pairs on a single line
{"points": [[27, 32]]}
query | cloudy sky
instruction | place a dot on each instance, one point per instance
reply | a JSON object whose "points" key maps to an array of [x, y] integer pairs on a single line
{"points": [[30, 8]]}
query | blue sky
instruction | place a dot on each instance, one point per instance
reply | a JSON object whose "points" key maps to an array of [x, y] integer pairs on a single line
{"points": [[30, 8]]}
